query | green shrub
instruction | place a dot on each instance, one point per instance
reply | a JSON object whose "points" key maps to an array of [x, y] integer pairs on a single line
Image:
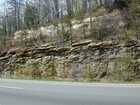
{"points": [[65, 33], [90, 74], [53, 68], [123, 69], [31, 71]]}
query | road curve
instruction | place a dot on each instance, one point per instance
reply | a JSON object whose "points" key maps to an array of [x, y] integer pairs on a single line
{"points": [[27, 92]]}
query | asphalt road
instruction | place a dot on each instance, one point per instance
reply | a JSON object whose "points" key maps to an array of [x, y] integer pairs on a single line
{"points": [[24, 92]]}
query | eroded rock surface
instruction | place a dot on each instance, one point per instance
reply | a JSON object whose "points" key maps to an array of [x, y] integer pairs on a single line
{"points": [[72, 61]]}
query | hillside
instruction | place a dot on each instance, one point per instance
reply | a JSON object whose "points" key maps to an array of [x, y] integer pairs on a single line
{"points": [[101, 46], [113, 21], [116, 26]]}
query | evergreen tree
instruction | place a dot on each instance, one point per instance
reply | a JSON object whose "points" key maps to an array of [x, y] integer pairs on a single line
{"points": [[30, 15]]}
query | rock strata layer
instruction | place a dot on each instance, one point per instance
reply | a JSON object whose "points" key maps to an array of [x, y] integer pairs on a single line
{"points": [[73, 62]]}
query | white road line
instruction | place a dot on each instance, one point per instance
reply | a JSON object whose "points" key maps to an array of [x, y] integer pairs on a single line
{"points": [[99, 85], [75, 84], [9, 87]]}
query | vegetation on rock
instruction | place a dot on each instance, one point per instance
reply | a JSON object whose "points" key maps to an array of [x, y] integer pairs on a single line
{"points": [[76, 39]]}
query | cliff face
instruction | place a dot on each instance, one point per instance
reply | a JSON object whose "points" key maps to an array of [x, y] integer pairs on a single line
{"points": [[80, 61]]}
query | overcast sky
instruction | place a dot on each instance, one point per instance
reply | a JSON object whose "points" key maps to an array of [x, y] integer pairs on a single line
{"points": [[1, 1]]}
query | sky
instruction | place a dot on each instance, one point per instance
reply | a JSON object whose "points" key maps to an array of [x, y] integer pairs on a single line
{"points": [[1, 1]]}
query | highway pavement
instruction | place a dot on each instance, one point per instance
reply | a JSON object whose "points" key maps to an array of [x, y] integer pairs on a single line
{"points": [[33, 92]]}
